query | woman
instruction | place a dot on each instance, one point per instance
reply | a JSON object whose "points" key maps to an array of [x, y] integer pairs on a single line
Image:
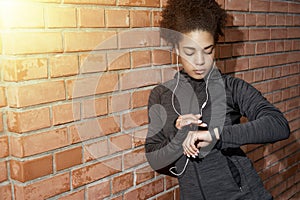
{"points": [[194, 131]]}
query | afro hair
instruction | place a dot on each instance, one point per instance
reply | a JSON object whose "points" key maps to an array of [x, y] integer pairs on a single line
{"points": [[183, 16]]}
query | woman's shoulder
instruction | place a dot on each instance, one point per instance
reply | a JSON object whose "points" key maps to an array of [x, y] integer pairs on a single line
{"points": [[164, 87]]}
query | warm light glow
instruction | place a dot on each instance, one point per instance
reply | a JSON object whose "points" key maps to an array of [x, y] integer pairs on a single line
{"points": [[9, 10]]}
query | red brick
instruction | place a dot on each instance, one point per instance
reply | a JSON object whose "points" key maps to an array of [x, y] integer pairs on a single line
{"points": [[30, 120], [68, 158], [119, 102], [95, 150], [96, 171], [237, 65], [3, 169], [94, 62], [24, 69], [134, 158], [258, 62], [94, 107], [161, 57], [34, 94], [140, 3], [2, 98], [278, 59], [4, 146], [99, 191], [293, 7], [293, 81], [225, 51], [171, 182], [117, 18], [88, 41], [31, 42], [73, 196], [156, 18], [91, 17], [249, 76], [34, 144], [64, 113], [276, 84], [139, 137], [235, 35], [237, 5], [271, 20], [271, 46], [98, 2], [146, 191], [238, 49], [262, 87], [58, 17], [6, 193], [280, 20], [140, 59], [279, 46], [122, 182], [141, 78], [139, 38], [22, 15], [120, 143], [250, 20], [94, 128], [276, 6], [292, 104], [144, 174], [260, 5], [259, 34], [236, 19], [278, 33], [45, 188], [169, 73], [63, 66], [289, 20], [140, 18], [250, 48], [293, 32], [294, 92], [118, 60], [31, 169], [135, 119], [296, 20], [261, 47], [288, 45], [140, 98], [261, 20], [166, 196], [93, 85]]}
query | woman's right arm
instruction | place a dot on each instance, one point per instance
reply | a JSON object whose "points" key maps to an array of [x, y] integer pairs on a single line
{"points": [[161, 151]]}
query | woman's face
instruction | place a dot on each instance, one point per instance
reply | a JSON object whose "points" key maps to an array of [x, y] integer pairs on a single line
{"points": [[197, 52]]}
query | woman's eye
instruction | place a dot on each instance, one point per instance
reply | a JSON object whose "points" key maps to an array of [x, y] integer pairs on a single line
{"points": [[209, 51], [189, 52]]}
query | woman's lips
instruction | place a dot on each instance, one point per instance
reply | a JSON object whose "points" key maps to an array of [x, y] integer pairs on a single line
{"points": [[199, 71]]}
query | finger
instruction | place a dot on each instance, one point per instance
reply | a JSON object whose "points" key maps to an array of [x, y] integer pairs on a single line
{"points": [[202, 144], [204, 125]]}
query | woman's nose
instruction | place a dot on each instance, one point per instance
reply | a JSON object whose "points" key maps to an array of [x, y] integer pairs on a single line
{"points": [[199, 59]]}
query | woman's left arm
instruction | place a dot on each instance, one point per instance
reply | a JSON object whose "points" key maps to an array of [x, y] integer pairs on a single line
{"points": [[266, 124]]}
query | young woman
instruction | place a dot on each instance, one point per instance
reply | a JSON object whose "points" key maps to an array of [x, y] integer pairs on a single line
{"points": [[194, 131]]}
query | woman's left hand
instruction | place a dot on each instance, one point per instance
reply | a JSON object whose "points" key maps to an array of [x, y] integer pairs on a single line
{"points": [[195, 140]]}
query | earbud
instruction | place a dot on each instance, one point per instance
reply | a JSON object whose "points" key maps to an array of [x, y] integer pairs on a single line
{"points": [[177, 51]]}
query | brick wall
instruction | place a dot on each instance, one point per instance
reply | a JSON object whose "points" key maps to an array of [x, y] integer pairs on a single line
{"points": [[75, 77]]}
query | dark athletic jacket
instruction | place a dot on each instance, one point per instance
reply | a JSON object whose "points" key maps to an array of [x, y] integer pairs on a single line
{"points": [[222, 171]]}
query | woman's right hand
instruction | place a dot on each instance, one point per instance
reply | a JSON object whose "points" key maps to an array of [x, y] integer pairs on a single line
{"points": [[188, 119]]}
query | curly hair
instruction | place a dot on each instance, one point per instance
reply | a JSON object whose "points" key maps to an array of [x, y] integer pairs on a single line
{"points": [[183, 16]]}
